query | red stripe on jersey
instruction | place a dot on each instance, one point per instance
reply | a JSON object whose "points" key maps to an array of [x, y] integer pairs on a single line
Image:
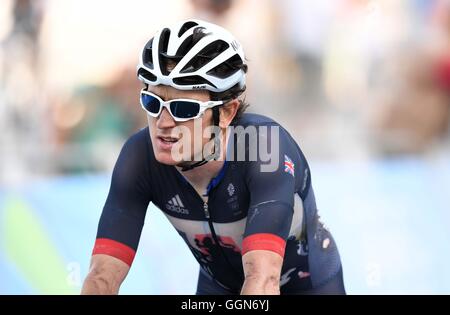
{"points": [[264, 241], [115, 249]]}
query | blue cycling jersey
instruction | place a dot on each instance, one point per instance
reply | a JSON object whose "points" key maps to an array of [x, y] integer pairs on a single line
{"points": [[247, 209]]}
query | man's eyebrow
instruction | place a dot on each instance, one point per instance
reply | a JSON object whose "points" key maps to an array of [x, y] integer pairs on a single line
{"points": [[165, 99], [157, 94]]}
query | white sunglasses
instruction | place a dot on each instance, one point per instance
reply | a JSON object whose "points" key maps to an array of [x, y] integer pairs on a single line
{"points": [[179, 109]]}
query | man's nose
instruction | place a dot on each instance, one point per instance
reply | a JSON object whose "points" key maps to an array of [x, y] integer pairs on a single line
{"points": [[165, 120]]}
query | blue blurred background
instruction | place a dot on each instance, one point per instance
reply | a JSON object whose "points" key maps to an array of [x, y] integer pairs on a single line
{"points": [[363, 85]]}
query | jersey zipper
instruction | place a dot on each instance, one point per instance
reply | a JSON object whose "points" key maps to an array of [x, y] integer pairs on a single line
{"points": [[205, 208], [211, 227], [216, 239]]}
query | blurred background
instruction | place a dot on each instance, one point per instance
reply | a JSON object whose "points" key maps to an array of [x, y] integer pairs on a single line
{"points": [[363, 86]]}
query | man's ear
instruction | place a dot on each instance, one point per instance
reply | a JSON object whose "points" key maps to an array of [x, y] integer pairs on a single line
{"points": [[227, 113]]}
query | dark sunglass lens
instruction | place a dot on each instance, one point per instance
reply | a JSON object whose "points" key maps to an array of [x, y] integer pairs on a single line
{"points": [[150, 103], [183, 109]]}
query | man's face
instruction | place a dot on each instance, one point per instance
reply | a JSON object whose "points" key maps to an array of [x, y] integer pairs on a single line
{"points": [[164, 130]]}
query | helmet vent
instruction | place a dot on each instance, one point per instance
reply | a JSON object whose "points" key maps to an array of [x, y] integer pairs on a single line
{"points": [[163, 43], [186, 26], [227, 68], [205, 56], [147, 75], [147, 57]]}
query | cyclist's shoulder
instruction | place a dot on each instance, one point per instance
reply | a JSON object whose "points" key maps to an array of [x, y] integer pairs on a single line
{"points": [[264, 126], [139, 141], [287, 147], [252, 119], [140, 137], [137, 146]]}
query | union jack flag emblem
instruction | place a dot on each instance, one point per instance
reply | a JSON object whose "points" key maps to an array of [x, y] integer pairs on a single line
{"points": [[289, 166]]}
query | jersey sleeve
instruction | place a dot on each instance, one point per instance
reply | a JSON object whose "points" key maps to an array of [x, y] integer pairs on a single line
{"points": [[271, 195], [123, 214]]}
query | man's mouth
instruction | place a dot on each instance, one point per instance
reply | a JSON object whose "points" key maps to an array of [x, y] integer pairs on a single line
{"points": [[168, 140]]}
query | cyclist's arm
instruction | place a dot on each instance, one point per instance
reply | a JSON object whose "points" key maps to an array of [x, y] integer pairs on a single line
{"points": [[106, 274], [269, 221], [122, 220], [262, 269]]}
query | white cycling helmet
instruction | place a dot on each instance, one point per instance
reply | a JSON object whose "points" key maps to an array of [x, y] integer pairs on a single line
{"points": [[215, 62]]}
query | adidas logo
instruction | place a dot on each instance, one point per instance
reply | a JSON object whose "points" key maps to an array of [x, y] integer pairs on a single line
{"points": [[176, 205]]}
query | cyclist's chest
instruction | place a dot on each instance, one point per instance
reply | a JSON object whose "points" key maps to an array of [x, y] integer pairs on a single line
{"points": [[227, 200]]}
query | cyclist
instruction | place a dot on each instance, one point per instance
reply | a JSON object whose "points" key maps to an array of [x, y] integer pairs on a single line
{"points": [[250, 221]]}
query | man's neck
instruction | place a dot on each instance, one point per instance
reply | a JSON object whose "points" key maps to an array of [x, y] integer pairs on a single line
{"points": [[202, 175]]}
